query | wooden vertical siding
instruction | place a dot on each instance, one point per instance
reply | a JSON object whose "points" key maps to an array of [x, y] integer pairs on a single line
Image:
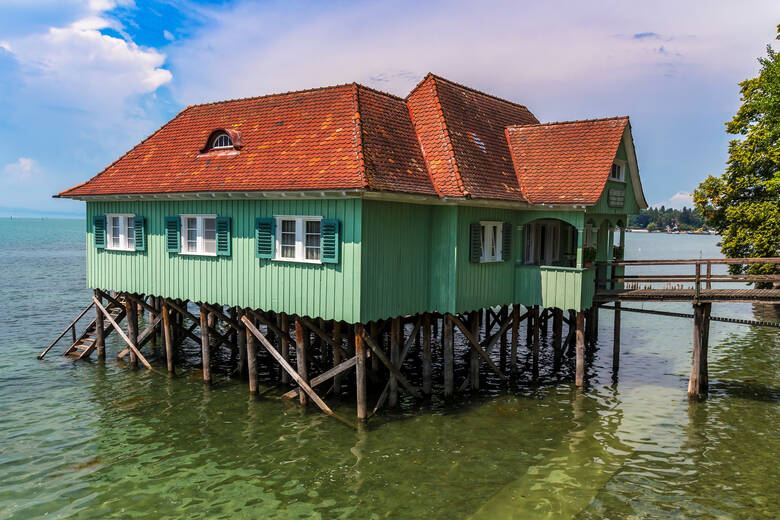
{"points": [[481, 285], [630, 205], [551, 286], [330, 291], [396, 259]]}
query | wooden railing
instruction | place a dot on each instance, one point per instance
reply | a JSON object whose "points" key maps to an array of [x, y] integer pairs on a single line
{"points": [[71, 328], [702, 275]]}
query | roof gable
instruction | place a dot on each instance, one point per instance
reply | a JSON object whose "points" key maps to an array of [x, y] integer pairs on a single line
{"points": [[567, 162]]}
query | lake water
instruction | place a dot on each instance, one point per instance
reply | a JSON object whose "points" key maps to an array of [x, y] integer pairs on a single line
{"points": [[93, 440]]}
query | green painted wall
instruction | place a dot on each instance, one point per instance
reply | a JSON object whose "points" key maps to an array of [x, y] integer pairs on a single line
{"points": [[396, 259], [331, 291], [550, 286], [630, 206]]}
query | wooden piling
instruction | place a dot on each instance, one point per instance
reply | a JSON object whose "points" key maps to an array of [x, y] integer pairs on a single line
{"points": [[360, 374], [502, 315], [132, 327], [100, 331], [580, 346], [448, 348], [699, 380], [474, 361], [285, 344], [337, 354], [251, 360], [301, 347], [427, 361], [395, 356], [241, 340], [557, 337], [535, 346], [205, 344], [515, 337], [616, 342], [168, 337]]}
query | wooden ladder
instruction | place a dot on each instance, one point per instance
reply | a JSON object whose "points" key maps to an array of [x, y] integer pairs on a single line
{"points": [[87, 342]]}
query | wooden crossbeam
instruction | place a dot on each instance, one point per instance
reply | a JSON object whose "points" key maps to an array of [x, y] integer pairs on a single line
{"points": [[333, 372], [141, 302], [271, 325], [143, 338], [404, 352], [286, 366], [183, 311], [121, 333], [383, 358], [475, 344], [108, 297], [220, 314]]}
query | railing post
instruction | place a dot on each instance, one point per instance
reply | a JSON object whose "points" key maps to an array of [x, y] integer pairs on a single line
{"points": [[697, 286], [709, 275]]}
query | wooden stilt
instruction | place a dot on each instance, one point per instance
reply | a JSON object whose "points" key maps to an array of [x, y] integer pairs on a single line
{"points": [[616, 342], [448, 348], [301, 347], [699, 380], [536, 320], [360, 374], [251, 358], [515, 337], [131, 308], [284, 347], [502, 315], [529, 327], [595, 330], [580, 342], [205, 345], [152, 316], [395, 354], [337, 354], [474, 361], [168, 336], [100, 332], [427, 360], [374, 332], [557, 337], [241, 339]]}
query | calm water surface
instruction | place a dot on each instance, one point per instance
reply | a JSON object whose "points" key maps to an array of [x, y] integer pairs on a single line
{"points": [[91, 440]]}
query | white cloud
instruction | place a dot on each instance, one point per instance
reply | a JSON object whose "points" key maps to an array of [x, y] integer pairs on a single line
{"points": [[168, 36], [677, 201], [20, 171], [77, 66]]}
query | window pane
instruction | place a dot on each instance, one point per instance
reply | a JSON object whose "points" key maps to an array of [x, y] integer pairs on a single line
{"points": [[192, 235], [115, 231], [288, 239], [210, 235], [130, 233], [312, 240]]}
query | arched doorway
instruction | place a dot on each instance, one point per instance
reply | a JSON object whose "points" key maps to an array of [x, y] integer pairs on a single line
{"points": [[550, 242]]}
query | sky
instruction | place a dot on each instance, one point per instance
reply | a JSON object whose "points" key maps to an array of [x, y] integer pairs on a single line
{"points": [[83, 81]]}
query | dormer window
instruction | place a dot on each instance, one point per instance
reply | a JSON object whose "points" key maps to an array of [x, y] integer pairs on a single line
{"points": [[618, 172], [222, 141]]}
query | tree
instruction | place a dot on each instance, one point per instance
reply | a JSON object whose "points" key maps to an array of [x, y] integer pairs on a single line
{"points": [[743, 204]]}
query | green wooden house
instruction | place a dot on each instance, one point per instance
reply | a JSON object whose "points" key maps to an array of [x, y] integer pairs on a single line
{"points": [[352, 205]]}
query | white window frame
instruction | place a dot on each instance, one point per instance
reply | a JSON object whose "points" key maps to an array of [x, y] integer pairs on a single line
{"points": [[622, 165], [200, 229], [123, 236], [222, 147], [487, 238], [300, 238], [551, 229]]}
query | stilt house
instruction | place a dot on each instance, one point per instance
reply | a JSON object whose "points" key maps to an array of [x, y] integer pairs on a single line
{"points": [[346, 204]]}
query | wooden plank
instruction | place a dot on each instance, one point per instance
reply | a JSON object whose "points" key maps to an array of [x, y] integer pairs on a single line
{"points": [[122, 334], [286, 366], [475, 345], [270, 324], [333, 372], [397, 373]]}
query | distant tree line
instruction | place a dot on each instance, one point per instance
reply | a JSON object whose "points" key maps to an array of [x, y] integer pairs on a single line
{"points": [[659, 219]]}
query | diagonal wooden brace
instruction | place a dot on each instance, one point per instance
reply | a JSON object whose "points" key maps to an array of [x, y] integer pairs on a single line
{"points": [[404, 352], [144, 336], [333, 372], [383, 358], [476, 345], [121, 333]]}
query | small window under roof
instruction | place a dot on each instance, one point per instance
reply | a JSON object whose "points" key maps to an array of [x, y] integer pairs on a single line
{"points": [[222, 141]]}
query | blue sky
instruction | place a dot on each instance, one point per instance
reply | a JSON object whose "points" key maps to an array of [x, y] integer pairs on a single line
{"points": [[82, 81]]}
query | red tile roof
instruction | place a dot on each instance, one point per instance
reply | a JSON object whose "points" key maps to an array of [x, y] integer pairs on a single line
{"points": [[443, 140], [567, 162]]}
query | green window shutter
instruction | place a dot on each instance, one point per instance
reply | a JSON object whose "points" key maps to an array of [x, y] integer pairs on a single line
{"points": [[264, 237], [506, 245], [99, 231], [172, 237], [329, 241], [139, 232], [223, 236], [475, 241]]}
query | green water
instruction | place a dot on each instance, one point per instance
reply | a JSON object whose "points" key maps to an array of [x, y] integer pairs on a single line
{"points": [[88, 440]]}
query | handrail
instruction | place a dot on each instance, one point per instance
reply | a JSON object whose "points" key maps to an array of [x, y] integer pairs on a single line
{"points": [[69, 327], [694, 261]]}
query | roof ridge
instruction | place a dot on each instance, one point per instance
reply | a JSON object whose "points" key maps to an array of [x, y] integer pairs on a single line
{"points": [[126, 153], [466, 87], [573, 121], [448, 138], [275, 94], [381, 92], [357, 118]]}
